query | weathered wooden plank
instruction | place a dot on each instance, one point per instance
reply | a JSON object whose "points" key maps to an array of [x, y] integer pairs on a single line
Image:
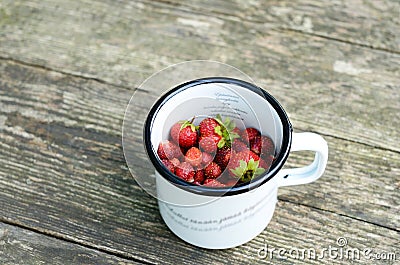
{"points": [[124, 43], [368, 23], [63, 173], [321, 230], [23, 247], [83, 114], [359, 181]]}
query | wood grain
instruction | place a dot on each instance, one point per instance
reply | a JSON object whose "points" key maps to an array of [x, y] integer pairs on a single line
{"points": [[23, 247], [355, 181], [370, 23], [63, 174], [324, 85]]}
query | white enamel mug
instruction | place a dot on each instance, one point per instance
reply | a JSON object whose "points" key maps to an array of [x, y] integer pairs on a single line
{"points": [[218, 218]]}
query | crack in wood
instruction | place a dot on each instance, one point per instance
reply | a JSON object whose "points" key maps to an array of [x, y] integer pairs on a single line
{"points": [[46, 68], [341, 40]]}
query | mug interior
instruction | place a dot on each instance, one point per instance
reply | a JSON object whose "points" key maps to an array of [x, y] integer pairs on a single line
{"points": [[245, 107], [246, 104]]}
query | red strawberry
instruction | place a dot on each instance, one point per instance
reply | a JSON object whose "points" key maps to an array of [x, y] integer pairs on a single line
{"points": [[175, 161], [262, 145], [255, 145], [207, 126], [231, 182], [187, 137], [226, 179], [185, 171], [223, 156], [243, 155], [169, 165], [174, 132], [212, 170], [213, 183], [252, 155], [194, 156], [267, 146], [199, 177], [168, 150], [207, 159], [249, 134], [266, 162], [221, 131], [209, 143], [239, 146], [245, 166]]}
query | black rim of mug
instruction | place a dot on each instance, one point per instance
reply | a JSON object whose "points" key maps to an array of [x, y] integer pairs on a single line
{"points": [[223, 191]]}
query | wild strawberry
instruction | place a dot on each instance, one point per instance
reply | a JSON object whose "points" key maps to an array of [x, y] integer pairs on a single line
{"points": [[207, 159], [221, 131], [185, 171], [245, 155], [199, 177], [255, 145], [174, 132], [267, 146], [168, 150], [249, 134], [209, 143], [194, 156], [207, 126], [169, 165], [262, 145], [239, 146], [266, 162], [222, 157], [212, 170], [213, 183], [245, 166], [252, 155], [187, 137], [231, 182], [175, 161], [226, 179]]}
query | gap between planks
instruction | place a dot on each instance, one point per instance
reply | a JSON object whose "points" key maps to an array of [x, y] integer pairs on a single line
{"points": [[72, 241], [82, 76]]}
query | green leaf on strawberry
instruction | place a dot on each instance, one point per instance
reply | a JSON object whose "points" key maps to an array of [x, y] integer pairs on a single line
{"points": [[221, 143], [218, 130], [218, 118], [247, 171], [225, 130], [189, 123]]}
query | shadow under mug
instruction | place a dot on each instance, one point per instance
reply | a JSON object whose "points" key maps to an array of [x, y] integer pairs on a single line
{"points": [[218, 218]]}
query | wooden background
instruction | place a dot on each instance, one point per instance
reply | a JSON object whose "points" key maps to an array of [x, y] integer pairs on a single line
{"points": [[69, 68]]}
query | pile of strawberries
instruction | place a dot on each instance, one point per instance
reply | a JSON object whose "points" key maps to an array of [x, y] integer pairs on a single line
{"points": [[216, 153]]}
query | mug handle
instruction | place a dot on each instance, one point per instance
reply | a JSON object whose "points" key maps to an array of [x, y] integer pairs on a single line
{"points": [[302, 175]]}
